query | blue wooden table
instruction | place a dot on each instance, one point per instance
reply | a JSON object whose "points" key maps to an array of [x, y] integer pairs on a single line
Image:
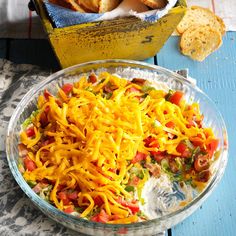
{"points": [[216, 76]]}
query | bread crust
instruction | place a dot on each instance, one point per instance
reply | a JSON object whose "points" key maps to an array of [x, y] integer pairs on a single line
{"points": [[155, 4], [198, 42], [70, 4], [196, 16], [108, 5]]}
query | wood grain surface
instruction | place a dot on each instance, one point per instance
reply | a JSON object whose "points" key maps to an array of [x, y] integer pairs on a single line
{"points": [[216, 76]]}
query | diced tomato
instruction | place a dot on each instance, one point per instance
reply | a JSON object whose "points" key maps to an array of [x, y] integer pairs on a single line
{"points": [[29, 164], [176, 97], [183, 150], [98, 201], [133, 206], [47, 109], [72, 195], [47, 94], [212, 146], [159, 156], [139, 157], [30, 132], [134, 181], [170, 124], [181, 147], [67, 88], [92, 78], [165, 112], [63, 196], [95, 218], [201, 163], [151, 142], [69, 209], [102, 217]]}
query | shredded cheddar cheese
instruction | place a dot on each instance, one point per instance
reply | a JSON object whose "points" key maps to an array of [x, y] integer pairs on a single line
{"points": [[90, 137]]}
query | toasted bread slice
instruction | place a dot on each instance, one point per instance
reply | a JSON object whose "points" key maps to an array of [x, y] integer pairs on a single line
{"points": [[90, 5], [155, 4], [198, 42], [108, 5], [70, 4], [196, 16]]}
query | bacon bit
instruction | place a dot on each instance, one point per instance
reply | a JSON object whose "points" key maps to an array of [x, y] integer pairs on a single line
{"points": [[23, 151], [43, 120], [155, 169], [132, 90], [30, 132], [201, 163], [138, 81], [92, 78], [59, 103], [173, 166], [204, 176], [47, 94], [37, 188]]}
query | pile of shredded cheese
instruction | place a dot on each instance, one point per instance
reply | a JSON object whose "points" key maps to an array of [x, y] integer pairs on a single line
{"points": [[95, 139]]}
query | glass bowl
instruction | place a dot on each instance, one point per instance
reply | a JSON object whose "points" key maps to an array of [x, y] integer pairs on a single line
{"points": [[126, 69]]}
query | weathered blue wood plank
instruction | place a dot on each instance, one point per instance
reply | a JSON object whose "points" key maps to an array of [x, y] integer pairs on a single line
{"points": [[150, 60], [3, 48], [217, 77], [35, 51]]}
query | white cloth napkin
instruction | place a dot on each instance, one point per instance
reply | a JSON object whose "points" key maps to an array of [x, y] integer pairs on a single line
{"points": [[22, 24]]}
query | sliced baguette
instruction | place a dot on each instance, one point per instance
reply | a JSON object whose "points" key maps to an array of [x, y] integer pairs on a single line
{"points": [[90, 5], [196, 16], [70, 4], [198, 42], [155, 4], [108, 5]]}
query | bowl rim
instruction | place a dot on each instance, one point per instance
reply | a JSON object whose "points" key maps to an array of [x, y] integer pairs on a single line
{"points": [[42, 204]]}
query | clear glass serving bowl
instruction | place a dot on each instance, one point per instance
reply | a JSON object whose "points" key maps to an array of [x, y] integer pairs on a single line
{"points": [[126, 69]]}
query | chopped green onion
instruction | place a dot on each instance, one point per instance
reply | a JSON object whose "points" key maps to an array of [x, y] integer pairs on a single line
{"points": [[108, 96], [178, 163], [31, 183], [140, 175], [129, 188], [165, 165], [28, 121], [146, 89], [169, 94]]}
